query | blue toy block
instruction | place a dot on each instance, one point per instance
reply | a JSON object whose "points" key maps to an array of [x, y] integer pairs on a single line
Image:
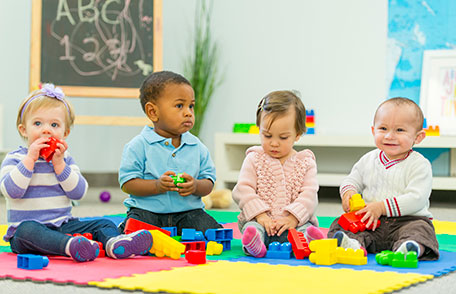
{"points": [[226, 244], [310, 112], [279, 251], [219, 234], [172, 230], [310, 131], [32, 261], [192, 235]]}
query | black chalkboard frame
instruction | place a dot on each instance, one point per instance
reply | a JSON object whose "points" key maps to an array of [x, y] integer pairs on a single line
{"points": [[90, 91]]}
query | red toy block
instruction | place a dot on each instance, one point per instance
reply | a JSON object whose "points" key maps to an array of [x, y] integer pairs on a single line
{"points": [[134, 225], [48, 152], [197, 245], [102, 252], [351, 221], [298, 244], [195, 256]]}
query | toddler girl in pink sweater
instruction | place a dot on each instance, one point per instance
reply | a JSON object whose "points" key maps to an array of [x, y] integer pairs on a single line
{"points": [[277, 186]]}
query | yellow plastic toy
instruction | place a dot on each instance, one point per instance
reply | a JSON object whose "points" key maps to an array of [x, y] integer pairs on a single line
{"points": [[326, 252], [356, 202], [214, 248], [323, 251], [350, 256], [164, 245]]}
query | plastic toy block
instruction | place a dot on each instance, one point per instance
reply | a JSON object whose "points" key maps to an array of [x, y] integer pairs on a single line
{"points": [[48, 152], [102, 252], [134, 225], [310, 112], [32, 261], [191, 235], [432, 131], [254, 130], [397, 259], [88, 236], [226, 244], [350, 256], [310, 124], [351, 221], [384, 257], [198, 245], [324, 251], [195, 256], [164, 245], [242, 127], [279, 251], [310, 131], [219, 234], [171, 230], [310, 119], [298, 243], [356, 202], [214, 248], [409, 261], [178, 179]]}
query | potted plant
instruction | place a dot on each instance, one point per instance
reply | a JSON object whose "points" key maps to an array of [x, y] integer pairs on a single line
{"points": [[201, 67]]}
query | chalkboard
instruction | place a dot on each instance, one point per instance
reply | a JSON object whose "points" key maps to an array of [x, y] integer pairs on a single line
{"points": [[101, 48]]}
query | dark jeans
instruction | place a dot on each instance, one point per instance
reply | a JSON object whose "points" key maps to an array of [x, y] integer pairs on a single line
{"points": [[196, 219], [36, 238]]}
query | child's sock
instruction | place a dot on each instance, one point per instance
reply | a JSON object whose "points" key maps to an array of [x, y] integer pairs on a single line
{"points": [[408, 246], [252, 242], [124, 246], [82, 249], [313, 233], [346, 242]]}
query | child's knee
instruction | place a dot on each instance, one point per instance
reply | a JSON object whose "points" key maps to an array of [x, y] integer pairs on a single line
{"points": [[26, 228]]}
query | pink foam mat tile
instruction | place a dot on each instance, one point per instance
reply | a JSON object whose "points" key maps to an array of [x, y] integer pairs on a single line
{"points": [[65, 270]]}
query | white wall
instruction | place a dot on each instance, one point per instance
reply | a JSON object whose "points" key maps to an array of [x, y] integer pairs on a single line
{"points": [[333, 52]]}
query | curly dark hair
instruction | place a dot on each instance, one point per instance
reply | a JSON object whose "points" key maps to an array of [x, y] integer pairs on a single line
{"points": [[154, 84]]}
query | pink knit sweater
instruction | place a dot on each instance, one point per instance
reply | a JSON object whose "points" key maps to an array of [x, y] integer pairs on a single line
{"points": [[265, 185]]}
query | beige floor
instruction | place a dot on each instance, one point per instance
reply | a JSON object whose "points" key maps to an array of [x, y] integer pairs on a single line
{"points": [[92, 206]]}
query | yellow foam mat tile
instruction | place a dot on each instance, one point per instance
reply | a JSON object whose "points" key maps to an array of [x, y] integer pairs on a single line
{"points": [[443, 227], [3, 229], [243, 277]]}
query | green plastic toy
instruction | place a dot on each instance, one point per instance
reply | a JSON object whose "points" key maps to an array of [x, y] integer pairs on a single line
{"points": [[397, 259], [178, 179]]}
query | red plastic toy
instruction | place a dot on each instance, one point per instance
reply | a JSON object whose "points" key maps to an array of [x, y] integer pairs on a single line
{"points": [[198, 245], [134, 225], [195, 256], [298, 244], [48, 152], [351, 221]]}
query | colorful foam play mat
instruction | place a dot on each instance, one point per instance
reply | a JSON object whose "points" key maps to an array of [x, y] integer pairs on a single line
{"points": [[234, 272]]}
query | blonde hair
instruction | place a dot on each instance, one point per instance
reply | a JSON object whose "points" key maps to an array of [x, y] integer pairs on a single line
{"points": [[277, 103], [400, 101], [46, 102]]}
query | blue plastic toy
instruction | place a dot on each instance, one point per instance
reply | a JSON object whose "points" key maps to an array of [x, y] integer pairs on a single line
{"points": [[32, 261], [279, 251]]}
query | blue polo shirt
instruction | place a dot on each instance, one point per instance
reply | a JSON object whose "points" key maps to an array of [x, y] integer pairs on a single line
{"points": [[148, 156]]}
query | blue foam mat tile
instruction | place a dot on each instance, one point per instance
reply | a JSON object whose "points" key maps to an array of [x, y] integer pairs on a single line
{"points": [[446, 264]]}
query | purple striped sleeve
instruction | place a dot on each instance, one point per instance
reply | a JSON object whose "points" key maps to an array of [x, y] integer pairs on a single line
{"points": [[11, 188]]}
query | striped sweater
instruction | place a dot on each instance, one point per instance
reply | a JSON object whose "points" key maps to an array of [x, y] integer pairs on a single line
{"points": [[404, 185], [39, 195]]}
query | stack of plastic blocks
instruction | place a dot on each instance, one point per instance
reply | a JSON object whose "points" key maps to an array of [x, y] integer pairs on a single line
{"points": [[222, 236]]}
